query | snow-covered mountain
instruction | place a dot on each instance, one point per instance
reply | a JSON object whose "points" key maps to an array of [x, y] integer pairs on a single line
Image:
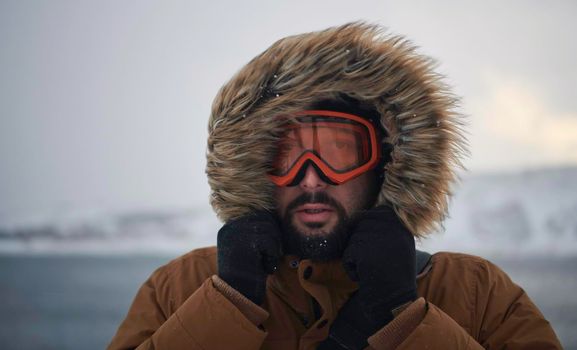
{"points": [[533, 212], [160, 231]]}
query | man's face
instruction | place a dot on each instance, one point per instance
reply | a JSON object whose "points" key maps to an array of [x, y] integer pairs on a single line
{"points": [[316, 216]]}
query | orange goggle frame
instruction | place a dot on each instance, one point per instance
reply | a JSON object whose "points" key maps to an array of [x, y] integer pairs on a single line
{"points": [[342, 146]]}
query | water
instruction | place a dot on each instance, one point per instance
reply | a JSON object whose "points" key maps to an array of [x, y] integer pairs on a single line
{"points": [[71, 302], [77, 302]]}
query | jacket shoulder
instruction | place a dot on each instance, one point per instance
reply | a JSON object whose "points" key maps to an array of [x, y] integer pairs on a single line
{"points": [[200, 257], [473, 266], [197, 264], [461, 257], [471, 275], [182, 276]]}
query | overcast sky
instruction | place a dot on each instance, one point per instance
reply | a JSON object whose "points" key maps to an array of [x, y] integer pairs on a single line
{"points": [[104, 104]]}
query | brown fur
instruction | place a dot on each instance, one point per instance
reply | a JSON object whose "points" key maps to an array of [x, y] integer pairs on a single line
{"points": [[358, 60]]}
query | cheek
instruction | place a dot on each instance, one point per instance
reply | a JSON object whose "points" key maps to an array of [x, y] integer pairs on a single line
{"points": [[361, 194], [282, 198], [358, 199]]}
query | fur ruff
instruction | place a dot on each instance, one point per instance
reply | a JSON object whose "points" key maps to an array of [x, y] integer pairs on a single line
{"points": [[358, 60]]}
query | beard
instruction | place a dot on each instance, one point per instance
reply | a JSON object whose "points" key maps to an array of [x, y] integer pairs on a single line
{"points": [[320, 246]]}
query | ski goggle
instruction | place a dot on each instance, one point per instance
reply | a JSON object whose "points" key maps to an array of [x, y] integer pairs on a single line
{"points": [[339, 145]]}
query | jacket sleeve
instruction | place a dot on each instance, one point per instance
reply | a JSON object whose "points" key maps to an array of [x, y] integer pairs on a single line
{"points": [[422, 325], [206, 320], [502, 317]]}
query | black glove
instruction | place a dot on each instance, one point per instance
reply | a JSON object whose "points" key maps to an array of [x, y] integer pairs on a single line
{"points": [[380, 256], [249, 248]]}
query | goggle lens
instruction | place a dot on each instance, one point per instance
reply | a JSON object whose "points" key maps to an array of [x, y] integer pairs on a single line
{"points": [[341, 145]]}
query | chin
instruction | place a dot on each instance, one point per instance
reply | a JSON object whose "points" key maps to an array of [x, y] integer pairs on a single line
{"points": [[323, 243], [316, 229]]}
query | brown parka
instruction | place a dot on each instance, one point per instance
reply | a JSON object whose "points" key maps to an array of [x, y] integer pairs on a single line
{"points": [[466, 302]]}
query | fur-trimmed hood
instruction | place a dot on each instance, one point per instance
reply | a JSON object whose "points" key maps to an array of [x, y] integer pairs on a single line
{"points": [[357, 60]]}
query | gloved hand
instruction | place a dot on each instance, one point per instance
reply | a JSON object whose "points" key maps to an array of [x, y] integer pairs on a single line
{"points": [[248, 249], [380, 256]]}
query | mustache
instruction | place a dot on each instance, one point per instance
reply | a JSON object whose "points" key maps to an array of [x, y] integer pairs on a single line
{"points": [[312, 198]]}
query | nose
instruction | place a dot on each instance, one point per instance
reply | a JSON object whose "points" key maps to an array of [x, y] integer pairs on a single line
{"points": [[312, 181]]}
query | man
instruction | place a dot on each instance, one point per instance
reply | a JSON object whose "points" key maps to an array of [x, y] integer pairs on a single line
{"points": [[328, 153]]}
